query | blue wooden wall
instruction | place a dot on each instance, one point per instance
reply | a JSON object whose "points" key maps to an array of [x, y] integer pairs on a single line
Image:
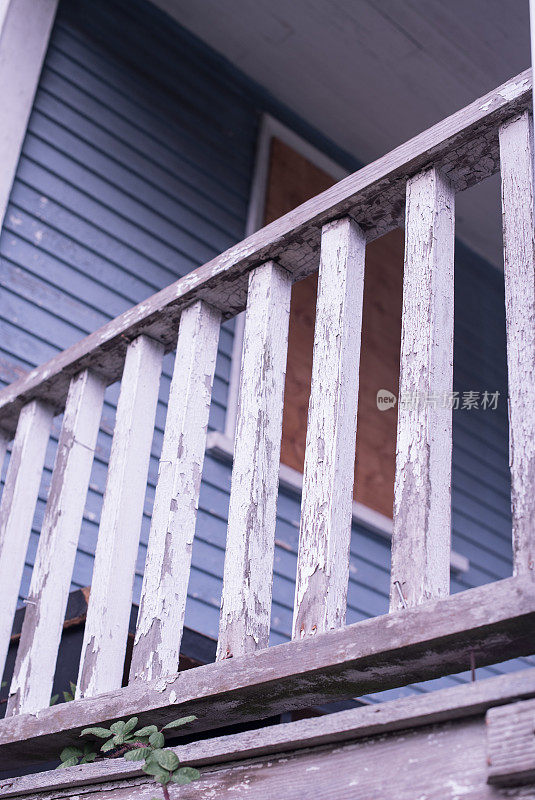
{"points": [[136, 169]]}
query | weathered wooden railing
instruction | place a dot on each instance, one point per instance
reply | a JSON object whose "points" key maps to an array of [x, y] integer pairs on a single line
{"points": [[427, 633]]}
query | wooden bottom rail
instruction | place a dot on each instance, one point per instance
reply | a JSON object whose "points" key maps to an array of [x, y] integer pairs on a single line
{"points": [[460, 703], [488, 624]]}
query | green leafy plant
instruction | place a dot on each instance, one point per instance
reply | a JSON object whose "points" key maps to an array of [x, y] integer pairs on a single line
{"points": [[146, 744], [68, 696]]}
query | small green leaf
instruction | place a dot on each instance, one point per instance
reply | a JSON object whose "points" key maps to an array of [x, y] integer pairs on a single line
{"points": [[54, 699], [73, 688], [167, 759], [70, 762], [70, 752], [102, 733], [118, 727], [138, 754], [109, 745], [130, 725], [177, 723], [88, 758], [67, 697], [157, 739], [117, 740], [185, 775], [148, 730], [159, 774]]}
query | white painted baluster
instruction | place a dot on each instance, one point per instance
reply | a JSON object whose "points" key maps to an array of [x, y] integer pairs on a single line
{"points": [[326, 507], [18, 506], [165, 582], [31, 685], [248, 574], [421, 538], [4, 442], [108, 613], [516, 161]]}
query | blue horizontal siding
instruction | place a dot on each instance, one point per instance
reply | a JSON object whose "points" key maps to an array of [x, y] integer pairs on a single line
{"points": [[136, 169], [125, 183]]}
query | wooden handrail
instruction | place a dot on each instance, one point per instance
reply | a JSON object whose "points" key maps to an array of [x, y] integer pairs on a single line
{"points": [[464, 147]]}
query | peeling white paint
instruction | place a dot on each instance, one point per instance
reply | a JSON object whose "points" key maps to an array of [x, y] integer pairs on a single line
{"points": [[167, 568], [422, 494], [326, 506]]}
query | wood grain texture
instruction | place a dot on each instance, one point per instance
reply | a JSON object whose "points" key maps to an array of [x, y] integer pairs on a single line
{"points": [[108, 613], [165, 581], [17, 507], [421, 536], [495, 622], [511, 744], [31, 685], [456, 703], [464, 147], [444, 761], [248, 574], [516, 152], [326, 506]]}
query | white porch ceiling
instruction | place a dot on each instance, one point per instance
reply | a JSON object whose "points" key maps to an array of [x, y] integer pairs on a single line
{"points": [[370, 74]]}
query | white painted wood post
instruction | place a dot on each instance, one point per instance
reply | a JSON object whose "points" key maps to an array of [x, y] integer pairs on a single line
{"points": [[110, 601], [31, 685], [17, 508], [24, 33], [248, 573], [326, 506], [165, 581], [421, 539], [516, 162]]}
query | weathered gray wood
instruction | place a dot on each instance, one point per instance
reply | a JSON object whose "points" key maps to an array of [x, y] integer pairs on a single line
{"points": [[31, 685], [108, 613], [516, 152], [421, 536], [167, 568], [248, 575], [464, 146], [326, 505], [17, 508], [445, 762], [413, 712], [494, 622], [511, 744]]}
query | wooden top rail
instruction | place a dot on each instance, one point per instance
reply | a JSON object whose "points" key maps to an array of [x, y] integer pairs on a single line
{"points": [[464, 147]]}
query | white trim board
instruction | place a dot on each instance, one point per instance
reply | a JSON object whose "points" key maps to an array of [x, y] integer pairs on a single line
{"points": [[25, 28], [221, 446]]}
